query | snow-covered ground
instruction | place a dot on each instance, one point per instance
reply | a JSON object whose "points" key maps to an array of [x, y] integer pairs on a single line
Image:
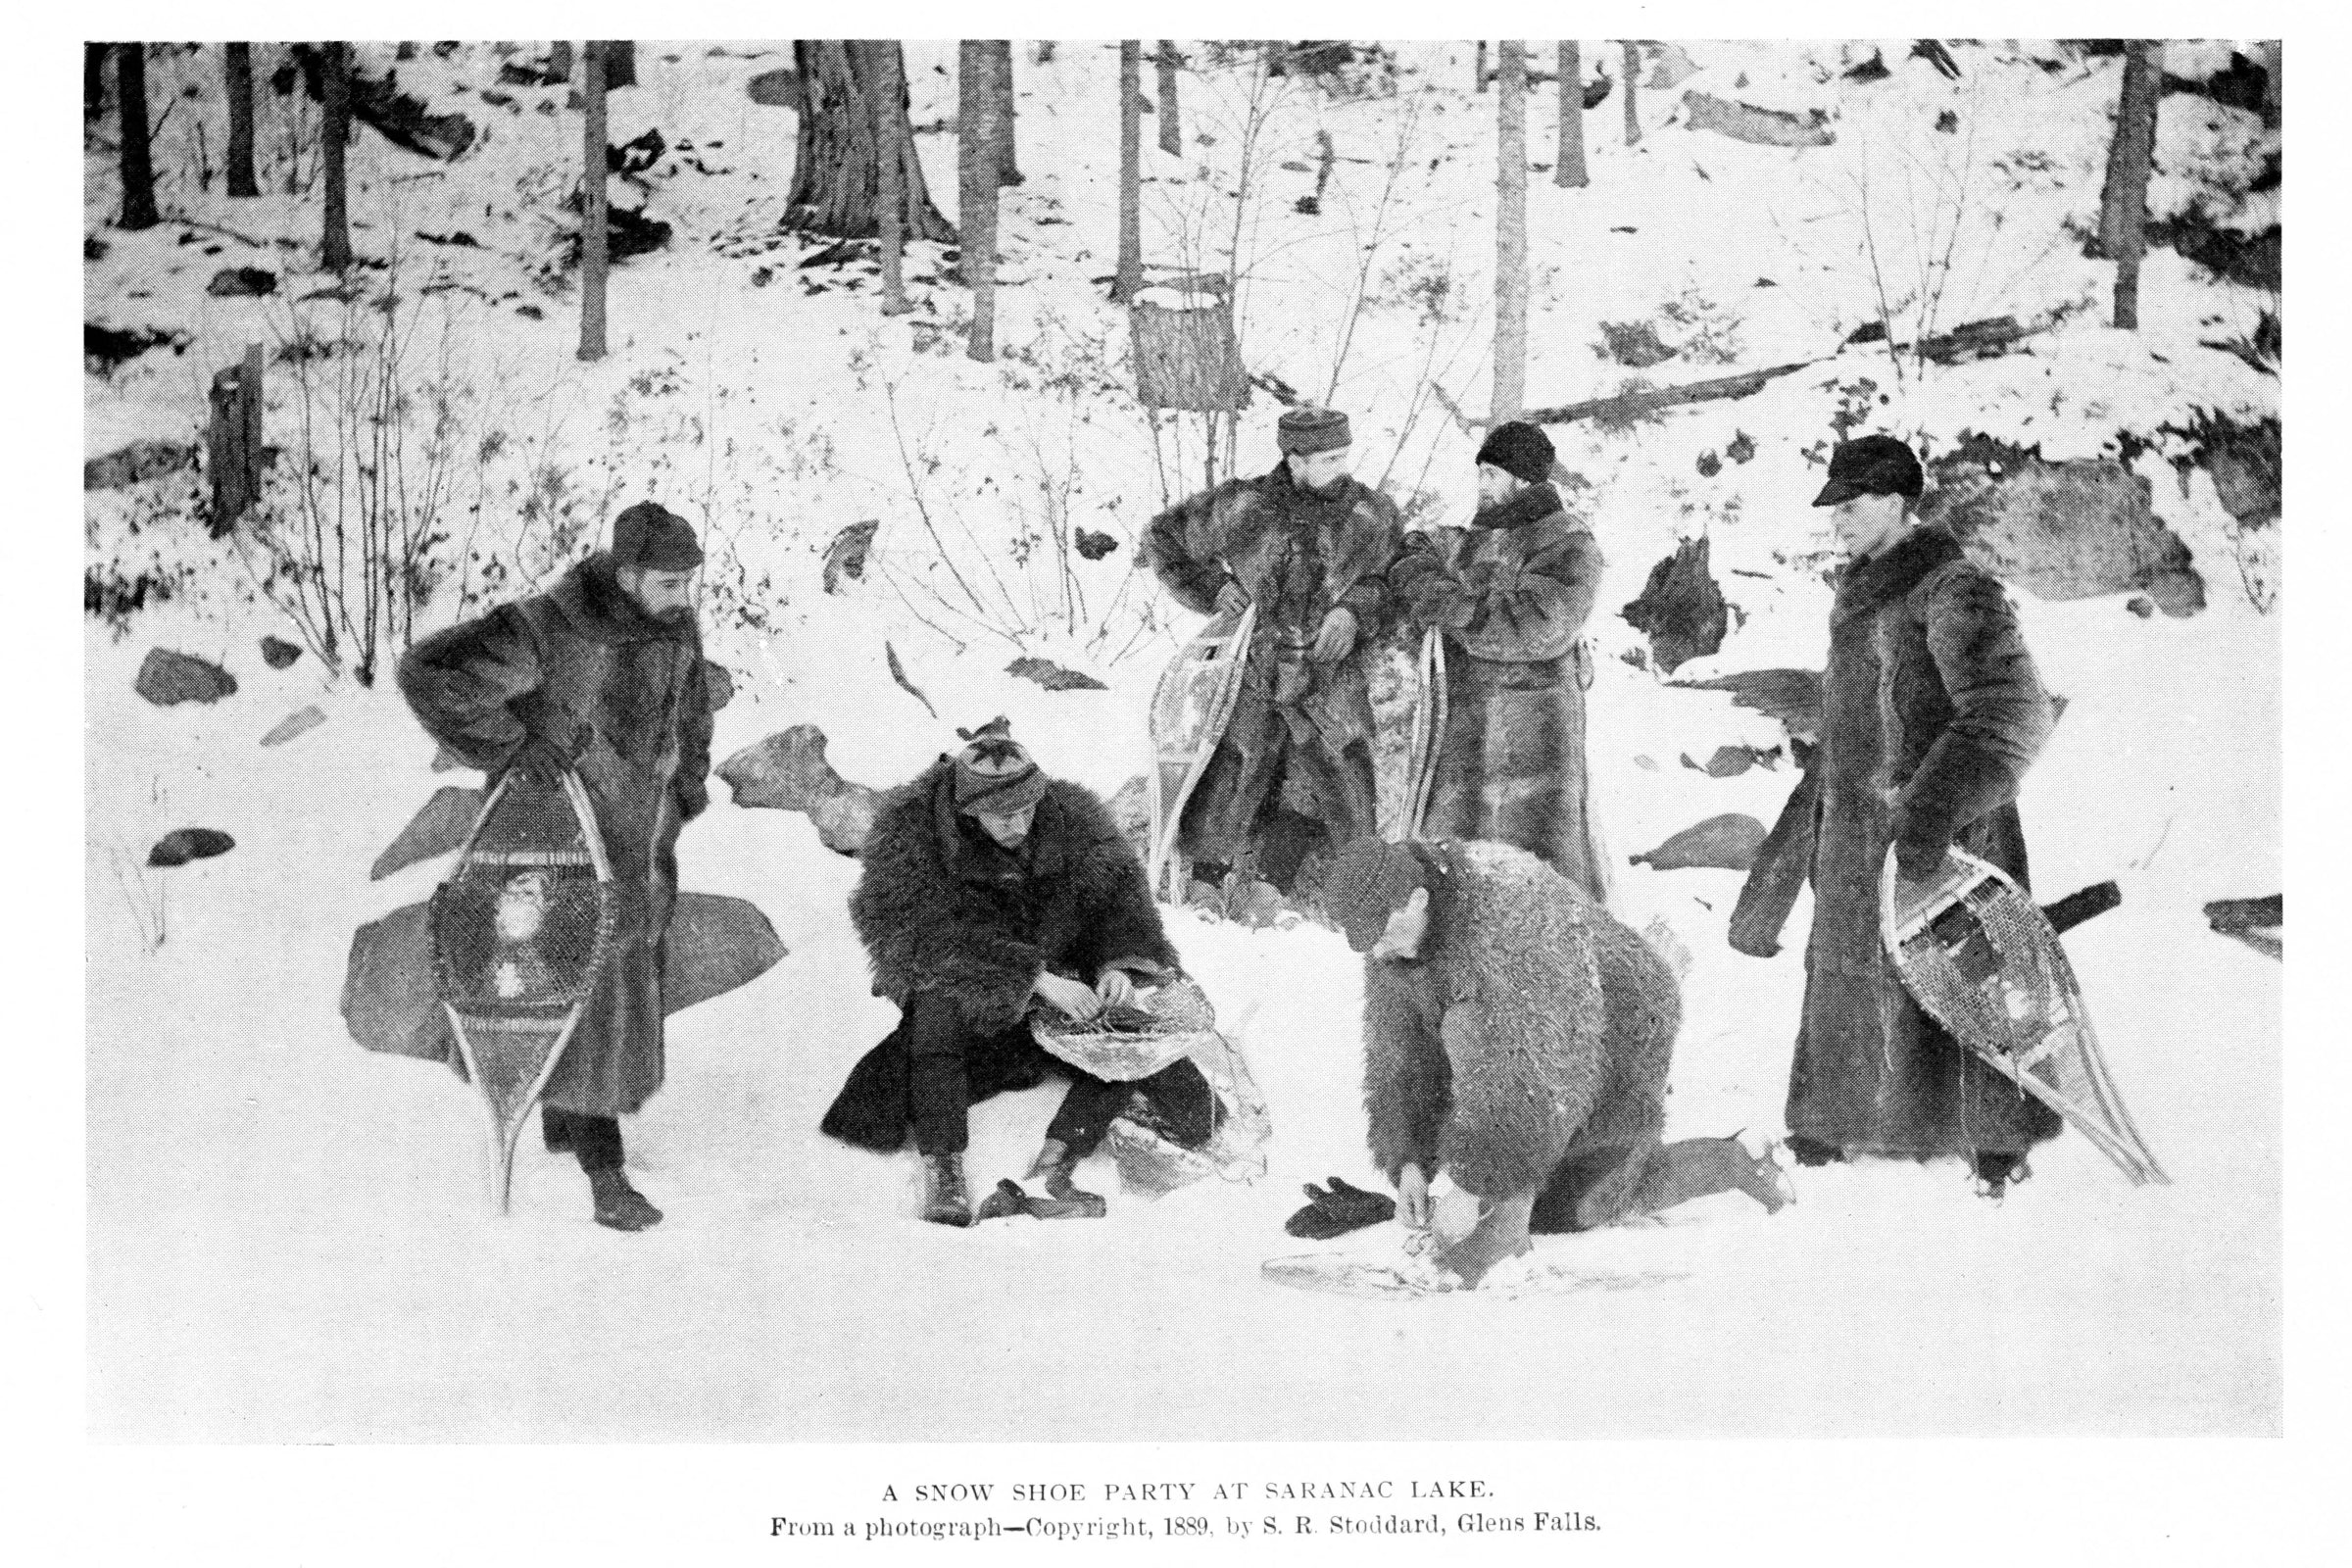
{"points": [[288, 1238]]}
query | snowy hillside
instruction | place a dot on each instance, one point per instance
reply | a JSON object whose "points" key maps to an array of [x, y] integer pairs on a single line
{"points": [[289, 1241]]}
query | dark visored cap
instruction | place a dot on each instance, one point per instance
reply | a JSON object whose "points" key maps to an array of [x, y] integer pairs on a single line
{"points": [[650, 535], [1872, 466], [1370, 881]]}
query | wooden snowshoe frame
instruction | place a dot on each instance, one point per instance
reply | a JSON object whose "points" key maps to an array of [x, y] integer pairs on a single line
{"points": [[2024, 1018], [479, 1030], [1190, 707], [1427, 741]]}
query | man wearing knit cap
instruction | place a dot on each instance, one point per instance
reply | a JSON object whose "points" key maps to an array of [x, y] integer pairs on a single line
{"points": [[1310, 547], [988, 889], [1516, 1043], [602, 675], [1510, 595]]}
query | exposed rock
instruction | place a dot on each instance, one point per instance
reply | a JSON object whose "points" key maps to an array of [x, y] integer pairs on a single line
{"points": [[1094, 546], [107, 349], [788, 772], [1792, 696], [301, 721], [1766, 127], [235, 282], [776, 89], [2260, 923], [2141, 604], [278, 652], [718, 684], [2060, 530], [136, 463], [714, 945], [167, 678], [845, 556], [1727, 843], [1054, 677], [1673, 67], [1730, 761], [438, 830], [1681, 609], [182, 844]]}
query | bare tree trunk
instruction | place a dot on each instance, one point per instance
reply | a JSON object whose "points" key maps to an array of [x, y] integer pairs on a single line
{"points": [[93, 80], [837, 170], [1511, 233], [558, 60], [1171, 128], [1130, 279], [976, 163], [594, 198], [1000, 66], [138, 167], [1632, 117], [1482, 66], [334, 248], [1569, 170], [2123, 204], [883, 67], [239, 71]]}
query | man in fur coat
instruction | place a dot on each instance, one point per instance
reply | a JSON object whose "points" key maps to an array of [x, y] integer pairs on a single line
{"points": [[1310, 547], [602, 675], [987, 889], [1930, 713], [1510, 594], [1516, 1040]]}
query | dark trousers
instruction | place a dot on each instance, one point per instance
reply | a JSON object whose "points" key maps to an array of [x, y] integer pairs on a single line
{"points": [[948, 1060], [594, 1139]]}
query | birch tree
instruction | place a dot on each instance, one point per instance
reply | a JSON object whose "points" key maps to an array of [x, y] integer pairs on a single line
{"points": [[1510, 232], [594, 219], [1130, 279], [1569, 169], [238, 71], [976, 214], [138, 165]]}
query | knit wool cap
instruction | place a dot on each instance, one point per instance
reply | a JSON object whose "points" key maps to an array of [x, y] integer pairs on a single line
{"points": [[994, 776], [653, 536], [1519, 450], [1303, 432], [1370, 881], [1872, 466]]}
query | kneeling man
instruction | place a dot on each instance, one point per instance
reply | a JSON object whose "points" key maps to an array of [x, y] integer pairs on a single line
{"points": [[989, 887], [1517, 1039]]}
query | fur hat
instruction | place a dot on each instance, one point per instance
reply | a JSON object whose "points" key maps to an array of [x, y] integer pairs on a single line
{"points": [[1872, 466], [995, 774], [653, 536], [1519, 450], [1304, 431], [1371, 880]]}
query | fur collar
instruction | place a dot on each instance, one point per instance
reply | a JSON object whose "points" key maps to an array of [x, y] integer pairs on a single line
{"points": [[1876, 582], [1538, 503], [591, 597], [1291, 496]]}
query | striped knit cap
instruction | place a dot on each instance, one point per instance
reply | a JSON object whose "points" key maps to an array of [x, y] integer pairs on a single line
{"points": [[994, 776]]}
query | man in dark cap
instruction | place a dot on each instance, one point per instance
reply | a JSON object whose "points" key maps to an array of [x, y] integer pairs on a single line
{"points": [[1931, 711], [602, 675], [1510, 594], [1516, 1041], [988, 889], [1310, 546]]}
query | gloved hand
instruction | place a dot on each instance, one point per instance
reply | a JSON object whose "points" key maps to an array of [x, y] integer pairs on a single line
{"points": [[1918, 847], [1337, 636], [1337, 1211], [539, 762]]}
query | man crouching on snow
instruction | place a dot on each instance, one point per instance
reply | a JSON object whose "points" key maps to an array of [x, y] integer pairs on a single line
{"points": [[1516, 1039], [988, 888]]}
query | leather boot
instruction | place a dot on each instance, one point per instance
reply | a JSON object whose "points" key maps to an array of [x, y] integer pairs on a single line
{"points": [[1064, 1199], [943, 1199], [618, 1206]]}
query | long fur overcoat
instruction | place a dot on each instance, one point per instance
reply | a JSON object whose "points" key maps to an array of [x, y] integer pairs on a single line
{"points": [[1511, 595], [939, 905], [1931, 711], [1534, 1028], [627, 697]]}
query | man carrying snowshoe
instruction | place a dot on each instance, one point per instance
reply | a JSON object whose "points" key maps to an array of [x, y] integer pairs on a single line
{"points": [[1517, 1040], [988, 889], [1930, 713], [602, 675], [1510, 594], [1310, 547]]}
